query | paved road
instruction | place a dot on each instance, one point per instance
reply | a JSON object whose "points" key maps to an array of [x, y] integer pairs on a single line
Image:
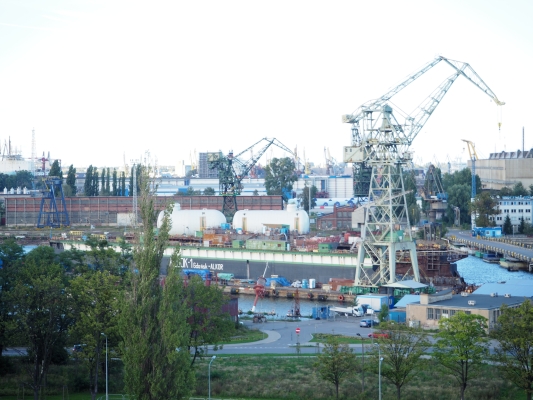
{"points": [[281, 337]]}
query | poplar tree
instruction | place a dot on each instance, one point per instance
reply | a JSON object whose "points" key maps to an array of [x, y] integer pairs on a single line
{"points": [[108, 178], [153, 320], [88, 185], [115, 188], [71, 179], [123, 184], [55, 170], [96, 185], [103, 181]]}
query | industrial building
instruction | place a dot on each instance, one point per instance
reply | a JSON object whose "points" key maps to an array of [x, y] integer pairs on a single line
{"points": [[432, 307], [505, 169]]}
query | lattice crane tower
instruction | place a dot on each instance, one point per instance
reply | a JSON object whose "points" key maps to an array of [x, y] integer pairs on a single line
{"points": [[380, 148]]}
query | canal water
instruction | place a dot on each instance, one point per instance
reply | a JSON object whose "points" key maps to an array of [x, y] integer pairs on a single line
{"points": [[477, 272], [472, 269]]}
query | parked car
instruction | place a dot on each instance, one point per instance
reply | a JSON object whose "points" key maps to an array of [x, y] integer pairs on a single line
{"points": [[78, 348], [367, 323], [378, 335]]}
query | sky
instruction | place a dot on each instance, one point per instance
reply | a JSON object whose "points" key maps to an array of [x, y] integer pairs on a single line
{"points": [[106, 82]]}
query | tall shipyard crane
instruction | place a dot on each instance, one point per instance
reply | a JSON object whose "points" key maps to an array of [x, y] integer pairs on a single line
{"points": [[473, 157], [380, 147], [232, 170]]}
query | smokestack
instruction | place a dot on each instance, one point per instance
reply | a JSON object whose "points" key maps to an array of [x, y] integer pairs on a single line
{"points": [[523, 148]]}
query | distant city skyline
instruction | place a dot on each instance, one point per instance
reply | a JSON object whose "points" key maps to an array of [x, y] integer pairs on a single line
{"points": [[103, 81]]}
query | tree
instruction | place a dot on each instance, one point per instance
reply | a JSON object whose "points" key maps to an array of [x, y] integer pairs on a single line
{"points": [[71, 180], [115, 183], [484, 206], [103, 182], [88, 185], [519, 189], [95, 183], [522, 226], [101, 257], [531, 190], [10, 253], [505, 191], [514, 354], [107, 182], [95, 294], [336, 362], [401, 350], [280, 176], [256, 192], [304, 197], [123, 184], [209, 324], [458, 196], [383, 313], [209, 191], [55, 170], [507, 226], [153, 320], [43, 312], [461, 346], [191, 192]]}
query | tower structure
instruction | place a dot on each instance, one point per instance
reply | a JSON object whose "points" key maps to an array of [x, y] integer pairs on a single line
{"points": [[379, 150]]}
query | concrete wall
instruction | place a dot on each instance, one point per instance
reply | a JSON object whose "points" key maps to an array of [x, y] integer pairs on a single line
{"points": [[498, 173], [105, 210]]}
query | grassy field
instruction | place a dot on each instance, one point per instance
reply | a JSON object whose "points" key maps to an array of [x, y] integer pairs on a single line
{"points": [[270, 377]]}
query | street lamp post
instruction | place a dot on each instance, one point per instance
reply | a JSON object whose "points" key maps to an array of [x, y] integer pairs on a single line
{"points": [[106, 370], [363, 350], [379, 368], [209, 373]]}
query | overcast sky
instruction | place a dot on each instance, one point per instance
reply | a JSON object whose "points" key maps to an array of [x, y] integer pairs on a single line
{"points": [[104, 81]]}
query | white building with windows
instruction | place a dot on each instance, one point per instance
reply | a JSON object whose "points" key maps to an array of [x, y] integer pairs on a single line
{"points": [[517, 207]]}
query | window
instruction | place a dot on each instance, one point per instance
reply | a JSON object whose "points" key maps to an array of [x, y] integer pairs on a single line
{"points": [[430, 313], [452, 313], [437, 313]]}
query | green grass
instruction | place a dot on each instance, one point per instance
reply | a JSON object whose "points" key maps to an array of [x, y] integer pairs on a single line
{"points": [[246, 335], [277, 377], [322, 337]]}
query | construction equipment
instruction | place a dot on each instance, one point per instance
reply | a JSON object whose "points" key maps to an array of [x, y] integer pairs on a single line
{"points": [[232, 170], [473, 157], [380, 147], [49, 213], [433, 193]]}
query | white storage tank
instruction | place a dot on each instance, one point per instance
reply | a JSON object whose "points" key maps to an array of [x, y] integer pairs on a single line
{"points": [[256, 220], [187, 222]]}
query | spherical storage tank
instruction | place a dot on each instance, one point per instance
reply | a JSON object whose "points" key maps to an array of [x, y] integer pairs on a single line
{"points": [[257, 220], [187, 222]]}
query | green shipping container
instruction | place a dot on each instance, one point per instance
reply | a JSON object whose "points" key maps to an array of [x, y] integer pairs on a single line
{"points": [[237, 244]]}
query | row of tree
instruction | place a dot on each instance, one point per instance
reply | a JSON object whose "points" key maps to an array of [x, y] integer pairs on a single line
{"points": [[460, 348], [156, 327]]}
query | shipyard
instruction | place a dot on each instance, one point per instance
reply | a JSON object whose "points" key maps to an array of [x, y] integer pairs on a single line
{"points": [[250, 200]]}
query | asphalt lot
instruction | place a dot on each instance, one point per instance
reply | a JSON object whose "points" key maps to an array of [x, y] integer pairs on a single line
{"points": [[281, 337]]}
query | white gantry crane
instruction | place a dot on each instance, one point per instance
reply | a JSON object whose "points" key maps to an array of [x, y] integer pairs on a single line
{"points": [[380, 148]]}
